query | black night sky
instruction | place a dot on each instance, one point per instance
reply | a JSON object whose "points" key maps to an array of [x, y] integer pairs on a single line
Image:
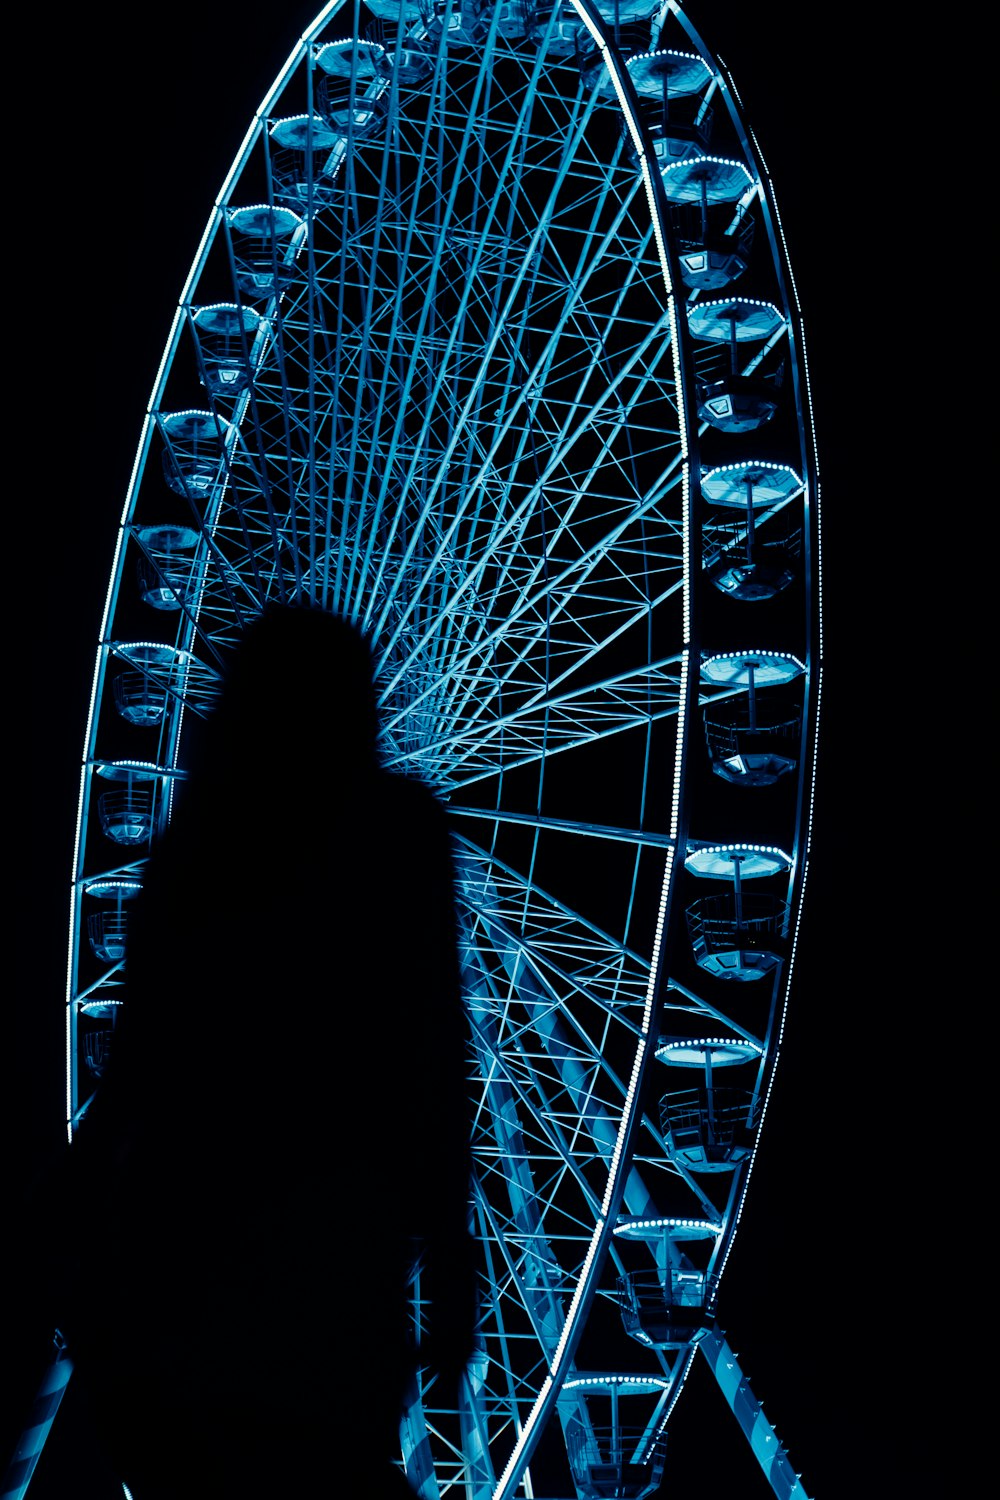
{"points": [[135, 118]]}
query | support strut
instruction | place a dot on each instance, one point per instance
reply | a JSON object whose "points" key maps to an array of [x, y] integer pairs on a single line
{"points": [[39, 1422], [747, 1410]]}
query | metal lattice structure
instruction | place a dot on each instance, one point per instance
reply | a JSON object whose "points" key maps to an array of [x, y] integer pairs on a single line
{"points": [[490, 345]]}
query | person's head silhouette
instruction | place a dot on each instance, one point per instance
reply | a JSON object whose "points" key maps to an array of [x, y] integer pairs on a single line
{"points": [[297, 704]]}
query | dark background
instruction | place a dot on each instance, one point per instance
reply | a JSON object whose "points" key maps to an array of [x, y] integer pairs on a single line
{"points": [[129, 124]]}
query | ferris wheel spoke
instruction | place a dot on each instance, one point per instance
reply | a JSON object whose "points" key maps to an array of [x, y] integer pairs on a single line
{"points": [[529, 395], [177, 675], [522, 1226], [559, 1135], [512, 1172], [571, 990], [531, 672], [565, 825], [698, 1005], [576, 351], [544, 725], [572, 1071], [574, 1068], [283, 439], [564, 1068], [100, 984], [566, 296], [500, 555], [525, 1099], [491, 888], [528, 629], [516, 1306], [428, 572], [431, 269], [568, 584], [492, 337], [492, 341]]}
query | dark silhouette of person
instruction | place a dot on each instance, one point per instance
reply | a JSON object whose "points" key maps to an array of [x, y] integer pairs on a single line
{"points": [[283, 1129]]}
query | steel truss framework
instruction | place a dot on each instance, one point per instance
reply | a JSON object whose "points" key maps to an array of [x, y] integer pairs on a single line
{"points": [[448, 362]]}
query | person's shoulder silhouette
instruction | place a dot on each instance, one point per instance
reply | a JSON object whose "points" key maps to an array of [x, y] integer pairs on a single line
{"points": [[284, 1121]]}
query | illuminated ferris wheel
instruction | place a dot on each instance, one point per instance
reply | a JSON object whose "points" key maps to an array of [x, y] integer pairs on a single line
{"points": [[490, 345]]}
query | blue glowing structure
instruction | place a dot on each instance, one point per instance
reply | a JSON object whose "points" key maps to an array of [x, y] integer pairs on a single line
{"points": [[490, 344]]}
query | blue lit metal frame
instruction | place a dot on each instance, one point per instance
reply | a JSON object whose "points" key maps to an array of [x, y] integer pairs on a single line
{"points": [[432, 368]]}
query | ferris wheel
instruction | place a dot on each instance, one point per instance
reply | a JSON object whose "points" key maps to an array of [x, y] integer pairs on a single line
{"points": [[490, 345]]}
